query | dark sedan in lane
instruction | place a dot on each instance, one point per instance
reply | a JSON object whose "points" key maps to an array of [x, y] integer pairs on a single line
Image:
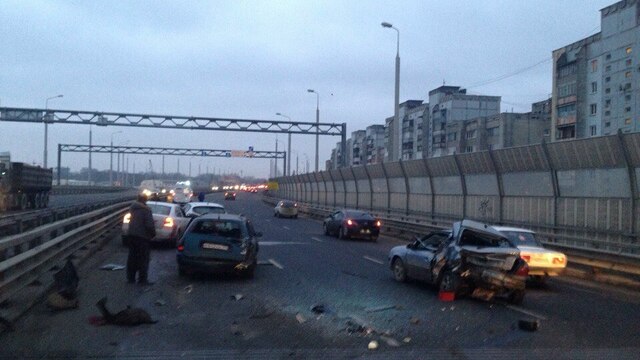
{"points": [[346, 224]]}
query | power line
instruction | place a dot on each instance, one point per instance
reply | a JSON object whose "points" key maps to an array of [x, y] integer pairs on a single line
{"points": [[508, 75]]}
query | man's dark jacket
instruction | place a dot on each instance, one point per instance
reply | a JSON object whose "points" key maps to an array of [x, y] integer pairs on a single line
{"points": [[141, 224]]}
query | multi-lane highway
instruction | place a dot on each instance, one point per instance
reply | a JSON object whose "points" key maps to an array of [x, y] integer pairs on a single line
{"points": [[271, 316]]}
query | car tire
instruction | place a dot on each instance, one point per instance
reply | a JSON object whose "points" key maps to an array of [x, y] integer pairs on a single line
{"points": [[450, 282], [342, 233], [399, 271], [325, 228], [516, 297]]}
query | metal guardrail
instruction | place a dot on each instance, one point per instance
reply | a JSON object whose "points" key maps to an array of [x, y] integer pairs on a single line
{"points": [[79, 189], [20, 222], [406, 226], [25, 257]]}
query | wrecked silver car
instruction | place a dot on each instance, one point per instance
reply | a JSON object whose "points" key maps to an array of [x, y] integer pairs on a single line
{"points": [[471, 259]]}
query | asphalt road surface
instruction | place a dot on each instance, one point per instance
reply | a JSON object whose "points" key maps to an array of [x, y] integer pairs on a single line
{"points": [[271, 315]]}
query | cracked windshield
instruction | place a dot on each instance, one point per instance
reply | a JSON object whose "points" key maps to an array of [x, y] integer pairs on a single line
{"points": [[303, 179]]}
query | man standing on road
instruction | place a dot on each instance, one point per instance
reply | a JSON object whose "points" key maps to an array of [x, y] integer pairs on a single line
{"points": [[141, 231]]}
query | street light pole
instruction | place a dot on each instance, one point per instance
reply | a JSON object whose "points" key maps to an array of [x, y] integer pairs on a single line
{"points": [[288, 147], [46, 128], [111, 158], [317, 124], [396, 109]]}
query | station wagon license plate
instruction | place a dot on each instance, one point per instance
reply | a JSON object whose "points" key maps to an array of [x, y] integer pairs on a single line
{"points": [[215, 246]]}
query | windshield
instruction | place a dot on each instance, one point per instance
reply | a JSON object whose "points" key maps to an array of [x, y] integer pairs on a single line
{"points": [[201, 210], [159, 209], [520, 238]]}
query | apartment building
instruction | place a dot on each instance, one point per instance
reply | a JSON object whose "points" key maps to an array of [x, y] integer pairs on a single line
{"points": [[400, 137], [374, 141], [450, 105], [595, 80]]}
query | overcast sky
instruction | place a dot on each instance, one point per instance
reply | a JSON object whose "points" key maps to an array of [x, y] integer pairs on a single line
{"points": [[252, 59]]}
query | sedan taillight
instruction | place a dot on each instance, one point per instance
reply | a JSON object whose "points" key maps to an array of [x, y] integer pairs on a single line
{"points": [[378, 223], [168, 222], [351, 222]]}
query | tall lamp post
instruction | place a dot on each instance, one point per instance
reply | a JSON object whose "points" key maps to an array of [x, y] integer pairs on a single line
{"points": [[275, 160], [288, 147], [46, 128], [396, 108], [317, 124], [111, 158]]}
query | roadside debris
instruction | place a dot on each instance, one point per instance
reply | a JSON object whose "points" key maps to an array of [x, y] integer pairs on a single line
{"points": [[353, 274], [160, 302], [483, 294], [188, 289], [390, 341], [300, 318], [66, 285], [446, 295], [237, 297], [414, 320], [112, 267], [373, 345], [127, 317], [235, 329], [353, 327], [406, 340], [380, 308], [529, 325], [318, 309]]}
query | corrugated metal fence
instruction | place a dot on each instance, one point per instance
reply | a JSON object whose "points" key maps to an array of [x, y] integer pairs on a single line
{"points": [[580, 194]]}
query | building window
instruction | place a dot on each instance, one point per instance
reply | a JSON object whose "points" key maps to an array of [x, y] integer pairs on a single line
{"points": [[627, 121], [594, 65], [492, 131], [546, 132], [628, 50], [627, 109], [627, 74], [607, 68], [627, 97], [469, 149], [607, 90], [471, 134], [608, 57], [594, 87], [593, 130], [627, 86], [607, 103], [607, 113], [452, 136], [607, 124], [628, 62], [594, 109], [607, 79]]}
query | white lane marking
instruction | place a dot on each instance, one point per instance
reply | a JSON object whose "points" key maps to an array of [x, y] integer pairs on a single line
{"points": [[276, 264], [374, 260], [526, 312], [316, 239], [267, 243], [286, 228]]}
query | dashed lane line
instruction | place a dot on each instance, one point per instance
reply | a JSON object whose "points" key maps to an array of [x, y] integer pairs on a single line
{"points": [[269, 243], [374, 260], [316, 239], [526, 312], [286, 228], [276, 264]]}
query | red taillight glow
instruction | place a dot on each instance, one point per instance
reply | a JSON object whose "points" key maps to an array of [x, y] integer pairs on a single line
{"points": [[295, 205], [350, 222], [523, 270], [180, 247], [168, 222], [378, 223], [127, 218], [526, 258]]}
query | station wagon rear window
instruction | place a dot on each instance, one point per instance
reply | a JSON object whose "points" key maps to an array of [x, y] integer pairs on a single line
{"points": [[160, 209], [224, 228]]}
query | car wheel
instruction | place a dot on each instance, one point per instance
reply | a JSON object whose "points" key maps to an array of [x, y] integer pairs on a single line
{"points": [[342, 233], [516, 297], [325, 228], [399, 271], [450, 282]]}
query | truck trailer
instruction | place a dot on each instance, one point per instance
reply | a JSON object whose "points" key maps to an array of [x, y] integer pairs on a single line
{"points": [[23, 186]]}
